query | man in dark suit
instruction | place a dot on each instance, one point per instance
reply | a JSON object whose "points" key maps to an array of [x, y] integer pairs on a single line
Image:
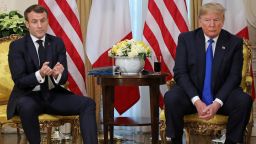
{"points": [[38, 66], [208, 82]]}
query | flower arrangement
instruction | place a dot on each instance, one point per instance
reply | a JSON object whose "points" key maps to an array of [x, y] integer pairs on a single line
{"points": [[12, 23], [130, 48]]}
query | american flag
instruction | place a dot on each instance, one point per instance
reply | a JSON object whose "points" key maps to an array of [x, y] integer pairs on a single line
{"points": [[110, 22], [64, 22], [165, 20]]}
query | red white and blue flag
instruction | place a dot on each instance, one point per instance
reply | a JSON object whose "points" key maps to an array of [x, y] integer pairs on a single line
{"points": [[64, 22], [165, 20], [109, 23]]}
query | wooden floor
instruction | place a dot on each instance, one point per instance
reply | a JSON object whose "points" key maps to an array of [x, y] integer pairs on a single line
{"points": [[122, 137]]}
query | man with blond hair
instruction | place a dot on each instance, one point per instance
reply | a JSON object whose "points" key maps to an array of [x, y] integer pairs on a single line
{"points": [[208, 72]]}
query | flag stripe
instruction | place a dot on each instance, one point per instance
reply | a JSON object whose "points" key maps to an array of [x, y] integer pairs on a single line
{"points": [[177, 16], [164, 22], [64, 22], [182, 7], [168, 40], [153, 42], [64, 25], [166, 55], [76, 76], [104, 16], [77, 86], [66, 9], [73, 86], [169, 21], [73, 5], [104, 59], [69, 46], [243, 33]]}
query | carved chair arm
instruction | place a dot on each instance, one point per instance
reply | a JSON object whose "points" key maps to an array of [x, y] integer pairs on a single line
{"points": [[170, 83]]}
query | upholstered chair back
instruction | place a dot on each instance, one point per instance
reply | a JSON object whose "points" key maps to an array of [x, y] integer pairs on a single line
{"points": [[6, 83]]}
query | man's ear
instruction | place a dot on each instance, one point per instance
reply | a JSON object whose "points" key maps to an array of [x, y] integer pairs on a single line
{"points": [[27, 25], [199, 21]]}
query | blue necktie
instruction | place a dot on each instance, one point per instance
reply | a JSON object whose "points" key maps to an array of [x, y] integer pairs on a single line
{"points": [[207, 91]]}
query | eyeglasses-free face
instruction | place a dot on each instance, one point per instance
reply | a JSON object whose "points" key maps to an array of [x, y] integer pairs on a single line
{"points": [[211, 23]]}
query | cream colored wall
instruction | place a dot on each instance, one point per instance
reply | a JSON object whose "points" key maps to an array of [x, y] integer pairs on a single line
{"points": [[20, 5]]}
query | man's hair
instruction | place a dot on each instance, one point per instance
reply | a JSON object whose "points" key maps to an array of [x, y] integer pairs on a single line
{"points": [[35, 8], [211, 7]]}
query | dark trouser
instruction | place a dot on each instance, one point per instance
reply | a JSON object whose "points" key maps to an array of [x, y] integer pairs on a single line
{"points": [[31, 106], [237, 107]]}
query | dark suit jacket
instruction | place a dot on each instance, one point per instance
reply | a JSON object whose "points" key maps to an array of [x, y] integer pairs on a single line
{"points": [[189, 70], [23, 63]]}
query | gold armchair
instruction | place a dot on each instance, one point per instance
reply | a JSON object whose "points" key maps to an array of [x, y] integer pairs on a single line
{"points": [[46, 121], [206, 130]]}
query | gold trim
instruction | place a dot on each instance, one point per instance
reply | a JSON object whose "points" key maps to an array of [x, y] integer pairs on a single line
{"points": [[11, 37], [53, 121]]}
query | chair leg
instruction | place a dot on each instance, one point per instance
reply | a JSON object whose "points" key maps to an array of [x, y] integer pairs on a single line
{"points": [[23, 140], [48, 135], [248, 130], [248, 133], [18, 132], [75, 131], [1, 132], [75, 135], [111, 130], [187, 134], [163, 137]]}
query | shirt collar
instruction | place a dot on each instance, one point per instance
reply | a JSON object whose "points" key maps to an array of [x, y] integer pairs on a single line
{"points": [[34, 39], [207, 38]]}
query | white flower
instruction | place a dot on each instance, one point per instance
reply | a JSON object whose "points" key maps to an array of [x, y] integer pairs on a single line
{"points": [[130, 48]]}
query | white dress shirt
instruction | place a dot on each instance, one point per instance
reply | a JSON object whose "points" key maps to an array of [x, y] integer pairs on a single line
{"points": [[39, 78], [195, 98]]}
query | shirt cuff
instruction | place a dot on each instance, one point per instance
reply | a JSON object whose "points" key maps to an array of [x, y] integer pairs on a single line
{"points": [[39, 77], [194, 99], [58, 79], [219, 101]]}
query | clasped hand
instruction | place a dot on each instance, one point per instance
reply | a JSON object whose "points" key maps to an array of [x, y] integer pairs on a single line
{"points": [[206, 112], [47, 71]]}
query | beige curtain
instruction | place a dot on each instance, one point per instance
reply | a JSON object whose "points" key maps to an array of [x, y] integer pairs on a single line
{"points": [[195, 5], [93, 90]]}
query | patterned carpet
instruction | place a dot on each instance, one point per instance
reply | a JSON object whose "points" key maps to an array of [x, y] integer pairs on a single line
{"points": [[121, 137]]}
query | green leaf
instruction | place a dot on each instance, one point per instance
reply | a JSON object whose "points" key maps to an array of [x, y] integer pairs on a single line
{"points": [[12, 23]]}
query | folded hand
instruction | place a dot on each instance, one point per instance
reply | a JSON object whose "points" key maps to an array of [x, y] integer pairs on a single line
{"points": [[57, 69], [45, 70]]}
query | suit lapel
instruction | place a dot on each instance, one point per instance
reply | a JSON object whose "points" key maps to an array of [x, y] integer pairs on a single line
{"points": [[32, 50], [49, 50], [220, 50], [200, 44]]}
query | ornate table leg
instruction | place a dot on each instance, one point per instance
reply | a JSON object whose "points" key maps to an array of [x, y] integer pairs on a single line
{"points": [[154, 110]]}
